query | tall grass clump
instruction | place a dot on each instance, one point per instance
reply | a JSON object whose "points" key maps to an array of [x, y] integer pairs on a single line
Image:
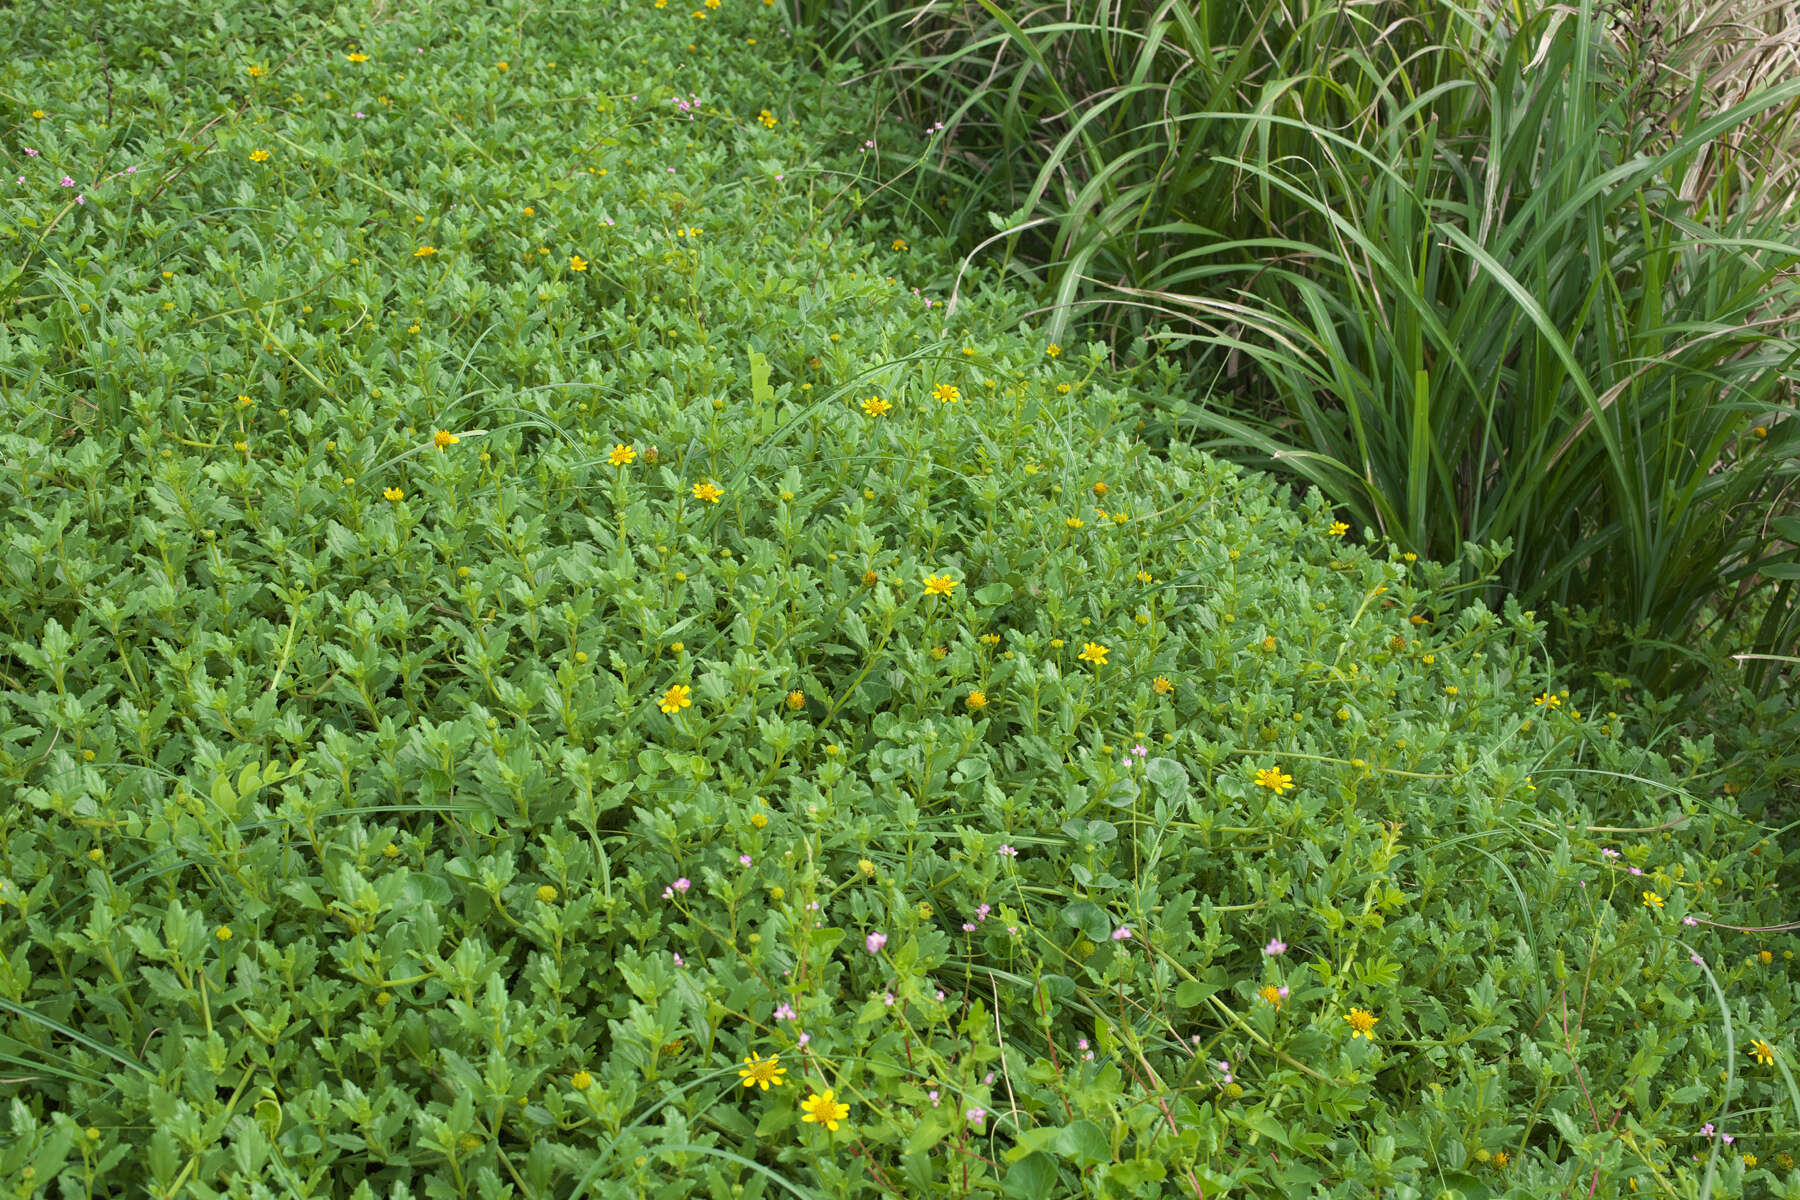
{"points": [[1531, 337], [1507, 276]]}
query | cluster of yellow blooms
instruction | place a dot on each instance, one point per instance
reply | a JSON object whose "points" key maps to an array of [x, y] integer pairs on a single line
{"points": [[820, 1108]]}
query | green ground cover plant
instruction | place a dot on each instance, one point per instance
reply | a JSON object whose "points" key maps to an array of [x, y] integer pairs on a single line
{"points": [[538, 660]]}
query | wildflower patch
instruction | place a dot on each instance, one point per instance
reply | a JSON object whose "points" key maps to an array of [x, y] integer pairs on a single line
{"points": [[537, 657]]}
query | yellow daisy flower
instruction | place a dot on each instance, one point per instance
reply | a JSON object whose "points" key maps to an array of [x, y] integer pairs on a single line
{"points": [[763, 1072], [939, 585], [1275, 779], [824, 1109]]}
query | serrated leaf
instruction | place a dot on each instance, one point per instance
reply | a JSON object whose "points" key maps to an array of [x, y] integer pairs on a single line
{"points": [[760, 391]]}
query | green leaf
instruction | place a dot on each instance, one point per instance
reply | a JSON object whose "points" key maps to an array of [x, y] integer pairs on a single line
{"points": [[1082, 1142], [929, 1132], [1190, 993], [1089, 918], [1262, 1123], [1169, 777], [760, 391], [1467, 1186], [1031, 1178]]}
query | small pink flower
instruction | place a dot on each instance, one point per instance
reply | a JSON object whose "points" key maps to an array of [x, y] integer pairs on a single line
{"points": [[678, 961], [874, 942], [1637, 870], [67, 182], [888, 999], [29, 151], [1139, 751], [1706, 1130], [683, 884], [940, 996], [981, 913], [1609, 852], [976, 1116], [1282, 991], [932, 1096], [80, 199], [1689, 921], [1727, 1138], [785, 1012], [1007, 851], [744, 860], [1696, 960], [1275, 946], [1121, 933], [803, 1039]]}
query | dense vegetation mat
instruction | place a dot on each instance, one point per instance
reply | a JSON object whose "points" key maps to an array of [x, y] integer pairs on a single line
{"points": [[534, 662]]}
